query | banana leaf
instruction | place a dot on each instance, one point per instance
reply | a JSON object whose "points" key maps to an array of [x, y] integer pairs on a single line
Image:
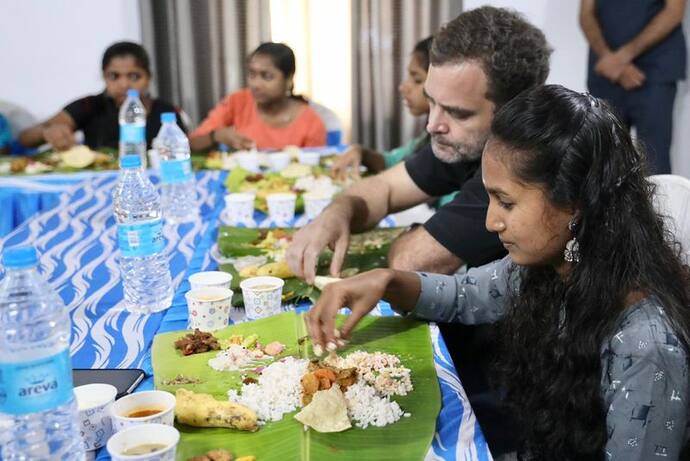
{"points": [[109, 162], [240, 180], [367, 251], [407, 439]]}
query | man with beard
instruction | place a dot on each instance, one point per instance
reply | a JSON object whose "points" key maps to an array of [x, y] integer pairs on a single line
{"points": [[479, 61]]}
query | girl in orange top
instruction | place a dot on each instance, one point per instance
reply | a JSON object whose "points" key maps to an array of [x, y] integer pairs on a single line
{"points": [[266, 115]]}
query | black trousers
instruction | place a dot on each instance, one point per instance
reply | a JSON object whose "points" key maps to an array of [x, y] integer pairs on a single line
{"points": [[473, 350]]}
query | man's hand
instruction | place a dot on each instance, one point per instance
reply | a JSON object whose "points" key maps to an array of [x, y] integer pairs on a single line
{"points": [[232, 138], [612, 65], [632, 77], [59, 135], [331, 228]]}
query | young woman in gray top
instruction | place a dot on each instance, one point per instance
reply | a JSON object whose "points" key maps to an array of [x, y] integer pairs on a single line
{"points": [[593, 300]]}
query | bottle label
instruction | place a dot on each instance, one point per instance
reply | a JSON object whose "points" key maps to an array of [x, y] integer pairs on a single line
{"points": [[39, 385], [176, 171], [140, 239], [132, 133]]}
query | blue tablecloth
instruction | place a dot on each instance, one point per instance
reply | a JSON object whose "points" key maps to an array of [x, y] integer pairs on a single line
{"points": [[22, 197], [77, 247], [76, 240]]}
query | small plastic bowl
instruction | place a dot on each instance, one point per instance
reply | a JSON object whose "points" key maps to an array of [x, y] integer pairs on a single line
{"points": [[160, 400], [148, 434]]}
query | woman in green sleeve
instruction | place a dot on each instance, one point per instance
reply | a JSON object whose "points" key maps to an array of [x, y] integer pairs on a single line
{"points": [[412, 91]]}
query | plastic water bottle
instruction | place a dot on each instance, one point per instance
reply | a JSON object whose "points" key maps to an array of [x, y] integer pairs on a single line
{"points": [[143, 264], [178, 192], [132, 120], [35, 369]]}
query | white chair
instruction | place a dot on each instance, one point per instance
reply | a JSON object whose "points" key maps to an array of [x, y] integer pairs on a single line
{"points": [[672, 200], [334, 129]]}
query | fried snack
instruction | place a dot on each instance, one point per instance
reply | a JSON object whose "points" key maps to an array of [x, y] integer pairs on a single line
{"points": [[18, 165], [78, 157], [249, 271], [219, 455], [327, 412], [214, 455], [278, 269], [202, 410]]}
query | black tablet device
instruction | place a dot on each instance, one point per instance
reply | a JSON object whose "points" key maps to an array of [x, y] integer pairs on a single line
{"points": [[125, 380]]}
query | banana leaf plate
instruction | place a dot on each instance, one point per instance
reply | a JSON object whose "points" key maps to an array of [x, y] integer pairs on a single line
{"points": [[367, 251], [407, 439], [262, 184]]}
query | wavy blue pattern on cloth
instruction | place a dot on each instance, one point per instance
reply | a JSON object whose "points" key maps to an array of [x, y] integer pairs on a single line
{"points": [[77, 247], [22, 197], [458, 435]]}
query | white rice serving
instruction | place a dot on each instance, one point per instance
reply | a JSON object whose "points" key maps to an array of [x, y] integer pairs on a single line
{"points": [[278, 390], [381, 370], [368, 409]]}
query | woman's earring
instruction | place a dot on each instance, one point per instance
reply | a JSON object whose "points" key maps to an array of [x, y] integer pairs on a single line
{"points": [[571, 253]]}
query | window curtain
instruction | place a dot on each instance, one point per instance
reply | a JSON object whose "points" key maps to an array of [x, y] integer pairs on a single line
{"points": [[198, 48], [383, 36]]}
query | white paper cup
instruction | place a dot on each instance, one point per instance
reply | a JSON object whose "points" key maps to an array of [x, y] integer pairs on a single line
{"points": [[159, 434], [279, 160], [95, 424], [315, 203], [209, 308], [217, 279], [281, 207], [240, 208], [309, 158], [146, 400], [249, 161], [262, 296]]}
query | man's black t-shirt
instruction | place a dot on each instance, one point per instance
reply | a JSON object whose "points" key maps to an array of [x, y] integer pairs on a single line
{"points": [[459, 225], [97, 117]]}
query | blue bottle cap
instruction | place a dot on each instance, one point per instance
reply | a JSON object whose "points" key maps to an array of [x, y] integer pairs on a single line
{"points": [[19, 257], [223, 147], [168, 117], [131, 93], [130, 161]]}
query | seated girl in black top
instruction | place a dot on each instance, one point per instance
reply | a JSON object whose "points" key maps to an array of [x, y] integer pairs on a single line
{"points": [[125, 65]]}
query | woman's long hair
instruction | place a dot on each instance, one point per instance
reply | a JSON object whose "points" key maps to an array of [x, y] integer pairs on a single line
{"points": [[579, 152]]}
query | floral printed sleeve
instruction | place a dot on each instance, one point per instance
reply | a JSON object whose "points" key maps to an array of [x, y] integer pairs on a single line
{"points": [[478, 296], [645, 384]]}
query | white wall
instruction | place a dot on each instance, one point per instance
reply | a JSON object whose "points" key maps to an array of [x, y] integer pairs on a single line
{"points": [[322, 49], [680, 150], [52, 50], [559, 21]]}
